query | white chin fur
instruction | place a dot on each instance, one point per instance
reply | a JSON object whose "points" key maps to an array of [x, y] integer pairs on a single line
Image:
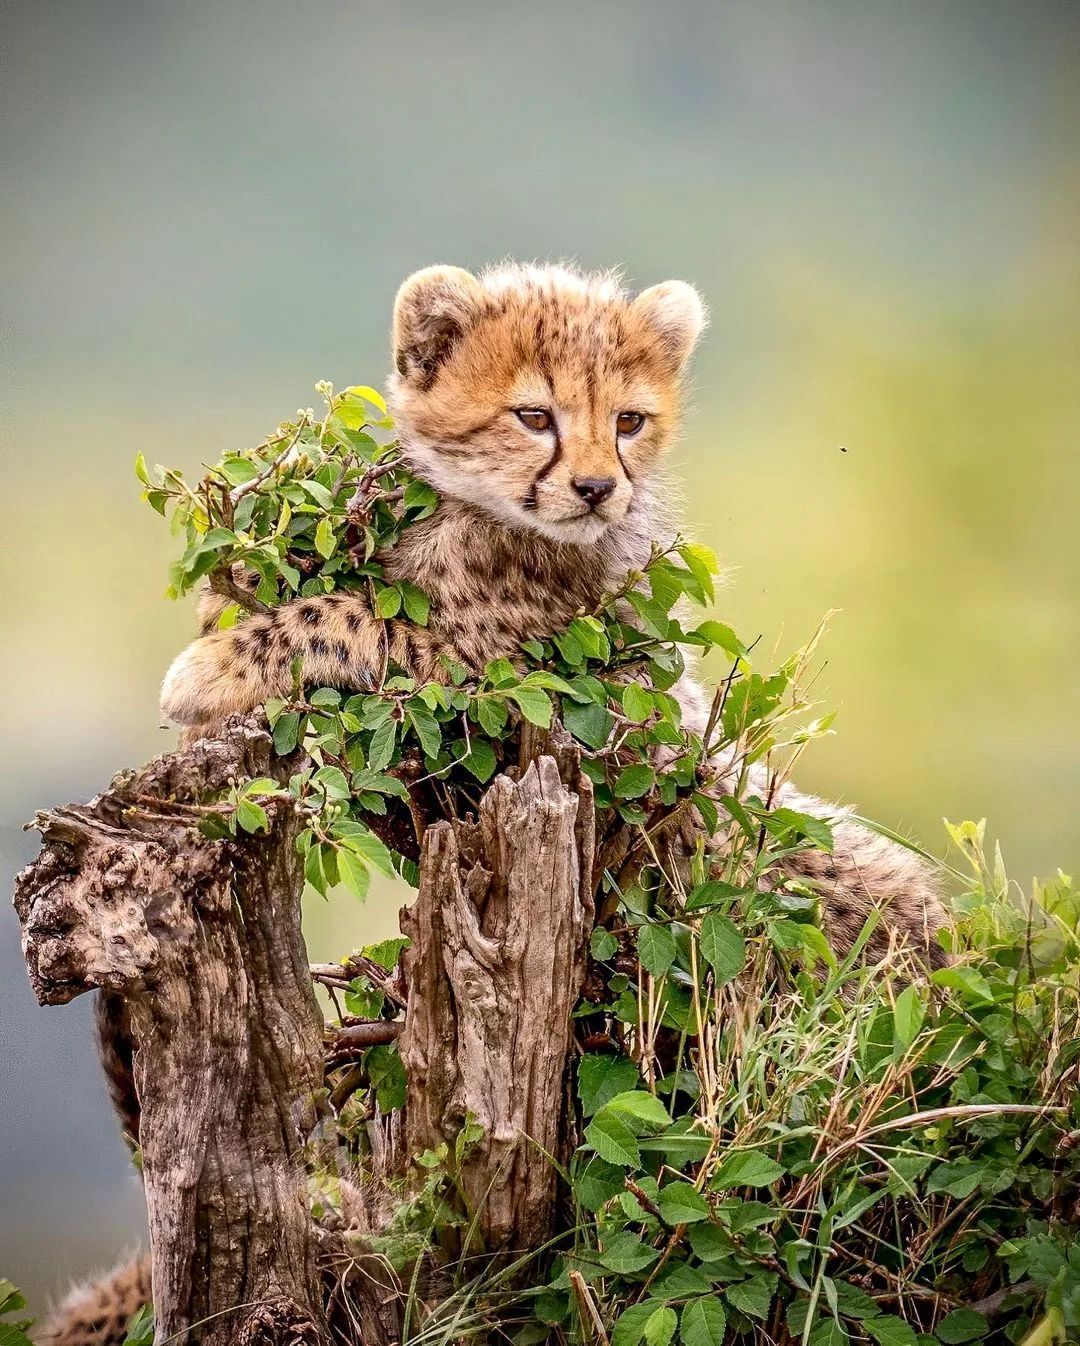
{"points": [[583, 531]]}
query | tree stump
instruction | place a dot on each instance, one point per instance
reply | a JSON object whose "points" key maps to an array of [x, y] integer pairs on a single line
{"points": [[499, 936], [201, 939]]}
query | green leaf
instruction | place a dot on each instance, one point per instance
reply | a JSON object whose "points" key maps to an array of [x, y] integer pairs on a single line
{"points": [[354, 874], [677, 1145], [962, 1325], [334, 781], [597, 1183], [613, 1140], [889, 1330], [388, 601], [641, 1106], [960, 1177], [419, 495], [637, 702], [387, 1075], [971, 983], [625, 1253], [590, 635], [739, 1215], [600, 1078], [682, 1203], [540, 677], [364, 1000], [386, 952], [710, 1243], [722, 946], [11, 1298], [314, 871], [710, 894], [381, 748], [828, 1332], [417, 603], [634, 782], [500, 673], [588, 722], [361, 841], [480, 760], [656, 948], [754, 1296], [908, 1017], [361, 392], [703, 1323], [603, 944], [534, 704], [318, 492], [782, 821], [660, 1326], [492, 714], [286, 733], [325, 541], [251, 817], [140, 1328], [425, 726], [702, 563], [629, 1329], [746, 1168], [681, 1280]]}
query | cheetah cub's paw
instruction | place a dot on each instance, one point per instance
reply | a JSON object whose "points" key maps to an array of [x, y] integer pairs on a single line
{"points": [[206, 683]]}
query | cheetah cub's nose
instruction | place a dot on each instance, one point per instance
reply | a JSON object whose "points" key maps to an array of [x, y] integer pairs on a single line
{"points": [[594, 490]]}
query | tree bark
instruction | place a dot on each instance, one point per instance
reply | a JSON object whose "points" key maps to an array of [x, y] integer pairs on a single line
{"points": [[499, 937], [201, 940]]}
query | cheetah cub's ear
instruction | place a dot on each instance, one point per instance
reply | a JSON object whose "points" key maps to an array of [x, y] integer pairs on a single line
{"points": [[676, 314], [432, 309]]}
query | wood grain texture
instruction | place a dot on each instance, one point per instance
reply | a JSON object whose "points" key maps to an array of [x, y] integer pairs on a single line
{"points": [[499, 936], [201, 940]]}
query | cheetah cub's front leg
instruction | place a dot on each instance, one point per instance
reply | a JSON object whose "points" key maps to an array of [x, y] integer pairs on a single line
{"points": [[335, 636]]}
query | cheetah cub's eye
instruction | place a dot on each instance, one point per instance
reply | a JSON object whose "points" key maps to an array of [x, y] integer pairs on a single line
{"points": [[535, 419], [628, 423]]}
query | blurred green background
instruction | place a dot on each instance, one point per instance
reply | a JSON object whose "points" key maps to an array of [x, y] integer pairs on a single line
{"points": [[209, 206]]}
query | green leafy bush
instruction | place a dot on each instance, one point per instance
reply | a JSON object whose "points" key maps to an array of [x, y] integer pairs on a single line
{"points": [[777, 1146], [13, 1331]]}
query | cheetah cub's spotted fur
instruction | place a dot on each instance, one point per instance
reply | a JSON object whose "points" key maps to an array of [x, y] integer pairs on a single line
{"points": [[539, 402]]}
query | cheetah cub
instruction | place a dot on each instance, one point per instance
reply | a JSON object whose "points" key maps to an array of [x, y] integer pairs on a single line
{"points": [[539, 402]]}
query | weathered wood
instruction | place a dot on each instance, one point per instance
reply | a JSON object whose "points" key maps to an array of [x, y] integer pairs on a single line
{"points": [[499, 936], [201, 940]]}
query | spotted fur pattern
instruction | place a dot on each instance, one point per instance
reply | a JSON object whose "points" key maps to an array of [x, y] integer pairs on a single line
{"points": [[97, 1313]]}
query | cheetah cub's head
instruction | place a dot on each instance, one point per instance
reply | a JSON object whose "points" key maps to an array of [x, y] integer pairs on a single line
{"points": [[541, 395]]}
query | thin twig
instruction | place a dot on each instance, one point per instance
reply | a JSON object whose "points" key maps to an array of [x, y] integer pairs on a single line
{"points": [[222, 582], [246, 487], [357, 507], [358, 1037]]}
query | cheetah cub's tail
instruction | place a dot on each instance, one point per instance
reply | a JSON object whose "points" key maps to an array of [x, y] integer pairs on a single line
{"points": [[97, 1312]]}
